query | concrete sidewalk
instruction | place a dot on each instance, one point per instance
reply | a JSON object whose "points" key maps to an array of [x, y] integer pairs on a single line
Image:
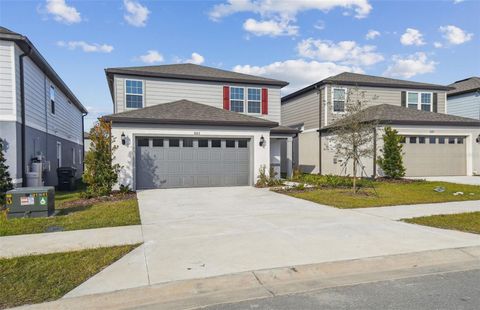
{"points": [[410, 211], [65, 241]]}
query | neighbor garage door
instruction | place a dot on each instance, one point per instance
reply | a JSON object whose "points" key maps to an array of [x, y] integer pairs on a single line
{"points": [[435, 155], [188, 162]]}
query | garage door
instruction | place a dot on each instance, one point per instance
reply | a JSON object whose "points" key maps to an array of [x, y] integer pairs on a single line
{"points": [[163, 162], [435, 155]]}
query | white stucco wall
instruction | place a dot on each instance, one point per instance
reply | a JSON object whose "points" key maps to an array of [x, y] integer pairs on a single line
{"points": [[125, 154]]}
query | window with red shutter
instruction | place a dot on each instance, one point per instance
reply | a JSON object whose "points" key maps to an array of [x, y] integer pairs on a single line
{"points": [[264, 101], [226, 97]]}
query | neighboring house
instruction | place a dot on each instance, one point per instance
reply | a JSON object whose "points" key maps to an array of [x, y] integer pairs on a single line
{"points": [[186, 125], [86, 141], [464, 98], [40, 117], [435, 143]]}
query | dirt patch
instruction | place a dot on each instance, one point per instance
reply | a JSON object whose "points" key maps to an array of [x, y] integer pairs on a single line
{"points": [[398, 181], [85, 202]]}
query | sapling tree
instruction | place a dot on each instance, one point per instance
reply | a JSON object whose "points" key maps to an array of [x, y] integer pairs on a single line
{"points": [[5, 179], [391, 160]]}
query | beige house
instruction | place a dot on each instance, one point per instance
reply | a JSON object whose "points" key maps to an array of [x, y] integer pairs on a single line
{"points": [[436, 144]]}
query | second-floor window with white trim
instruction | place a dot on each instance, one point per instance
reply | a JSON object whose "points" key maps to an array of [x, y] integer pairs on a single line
{"points": [[237, 99], [254, 100], [133, 94], [52, 99], [420, 101], [339, 98]]}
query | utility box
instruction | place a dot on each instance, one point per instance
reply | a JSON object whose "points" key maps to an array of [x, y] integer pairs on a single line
{"points": [[30, 202]]}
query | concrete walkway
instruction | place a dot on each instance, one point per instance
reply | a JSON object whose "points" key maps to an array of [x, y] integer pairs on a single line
{"points": [[205, 232], [409, 211], [12, 246], [468, 180]]}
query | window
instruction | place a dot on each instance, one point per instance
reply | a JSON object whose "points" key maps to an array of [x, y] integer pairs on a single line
{"points": [[432, 140], [419, 101], [413, 140], [52, 99], [59, 154], [339, 97], [73, 156], [174, 142], [254, 100], [203, 143], [157, 142], [242, 144], [216, 143], [142, 142], [459, 140], [230, 143], [80, 156], [237, 98], [134, 94], [187, 142], [441, 140], [421, 140], [451, 140]]}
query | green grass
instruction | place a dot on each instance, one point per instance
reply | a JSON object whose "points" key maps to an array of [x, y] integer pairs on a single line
{"points": [[103, 214], [40, 278], [390, 194], [467, 222]]}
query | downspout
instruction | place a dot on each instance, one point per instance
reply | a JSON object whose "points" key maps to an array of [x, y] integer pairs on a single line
{"points": [[374, 175], [22, 106], [83, 142], [319, 90]]}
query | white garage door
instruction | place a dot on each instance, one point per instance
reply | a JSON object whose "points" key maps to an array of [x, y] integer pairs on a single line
{"points": [[435, 156]]}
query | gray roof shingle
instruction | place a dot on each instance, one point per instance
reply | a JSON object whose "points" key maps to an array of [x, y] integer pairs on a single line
{"points": [[465, 86], [397, 115], [185, 112]]}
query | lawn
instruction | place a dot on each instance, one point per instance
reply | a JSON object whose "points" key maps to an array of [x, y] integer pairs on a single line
{"points": [[73, 217], [467, 222], [389, 194], [40, 278]]}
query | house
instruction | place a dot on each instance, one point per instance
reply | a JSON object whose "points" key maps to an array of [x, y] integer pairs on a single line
{"points": [[86, 141], [186, 125], [464, 98], [41, 120], [436, 144]]}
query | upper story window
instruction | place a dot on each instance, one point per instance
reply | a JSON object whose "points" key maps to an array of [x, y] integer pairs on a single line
{"points": [[237, 99], [419, 101], [52, 99], [339, 99], [134, 94], [254, 100]]}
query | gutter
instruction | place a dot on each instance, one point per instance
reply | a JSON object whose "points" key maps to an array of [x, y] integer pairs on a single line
{"points": [[23, 117]]}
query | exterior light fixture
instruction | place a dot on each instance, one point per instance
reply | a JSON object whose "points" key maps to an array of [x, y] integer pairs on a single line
{"points": [[262, 141], [124, 139], [478, 139]]}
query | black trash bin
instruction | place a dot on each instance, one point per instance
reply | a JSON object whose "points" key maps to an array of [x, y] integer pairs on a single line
{"points": [[66, 178]]}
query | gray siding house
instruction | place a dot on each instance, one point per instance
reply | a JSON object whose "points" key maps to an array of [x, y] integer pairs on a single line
{"points": [[464, 98], [435, 143], [40, 117]]}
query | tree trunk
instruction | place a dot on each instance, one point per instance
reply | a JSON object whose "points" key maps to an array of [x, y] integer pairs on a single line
{"points": [[354, 176]]}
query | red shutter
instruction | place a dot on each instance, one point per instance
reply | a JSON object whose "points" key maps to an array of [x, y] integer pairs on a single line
{"points": [[226, 97], [264, 101]]}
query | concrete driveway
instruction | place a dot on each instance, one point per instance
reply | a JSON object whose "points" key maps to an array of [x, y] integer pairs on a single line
{"points": [[204, 232], [469, 180]]}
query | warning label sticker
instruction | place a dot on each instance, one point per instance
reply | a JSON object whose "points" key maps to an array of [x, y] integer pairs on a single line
{"points": [[43, 201], [26, 201]]}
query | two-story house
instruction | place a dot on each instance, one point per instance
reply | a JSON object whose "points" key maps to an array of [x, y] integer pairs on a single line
{"points": [[186, 125], [464, 98], [41, 120], [435, 144]]}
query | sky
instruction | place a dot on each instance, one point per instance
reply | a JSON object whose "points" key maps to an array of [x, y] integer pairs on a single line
{"points": [[299, 41]]}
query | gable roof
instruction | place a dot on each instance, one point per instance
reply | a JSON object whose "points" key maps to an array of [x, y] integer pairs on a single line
{"points": [[28, 48], [397, 115], [356, 79], [464, 86], [185, 112], [190, 71]]}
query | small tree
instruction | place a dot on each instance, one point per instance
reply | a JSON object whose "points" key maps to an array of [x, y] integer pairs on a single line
{"points": [[391, 160], [5, 179], [100, 174], [352, 137]]}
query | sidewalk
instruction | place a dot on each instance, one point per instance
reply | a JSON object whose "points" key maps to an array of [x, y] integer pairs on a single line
{"points": [[21, 245], [410, 211]]}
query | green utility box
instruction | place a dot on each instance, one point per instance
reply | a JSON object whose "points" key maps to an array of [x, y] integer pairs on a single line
{"points": [[31, 202]]}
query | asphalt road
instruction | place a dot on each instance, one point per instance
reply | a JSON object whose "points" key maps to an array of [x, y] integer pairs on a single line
{"points": [[458, 290]]}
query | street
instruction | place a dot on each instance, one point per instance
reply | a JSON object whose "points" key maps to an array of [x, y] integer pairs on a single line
{"points": [[457, 290]]}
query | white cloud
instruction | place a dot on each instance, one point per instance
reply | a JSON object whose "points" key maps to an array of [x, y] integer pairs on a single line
{"points": [[458, 1], [412, 37], [372, 34], [86, 47], [455, 35], [298, 72], [320, 25], [287, 9], [270, 28], [196, 59], [411, 65], [62, 12], [136, 14], [152, 56], [437, 44], [346, 52]]}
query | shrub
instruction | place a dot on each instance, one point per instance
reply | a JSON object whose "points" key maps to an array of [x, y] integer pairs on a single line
{"points": [[332, 181], [5, 179], [392, 160], [265, 180]]}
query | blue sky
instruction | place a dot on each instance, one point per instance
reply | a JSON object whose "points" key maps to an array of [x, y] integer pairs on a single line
{"points": [[299, 41]]}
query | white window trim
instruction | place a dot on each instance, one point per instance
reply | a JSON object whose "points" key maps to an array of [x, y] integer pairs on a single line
{"points": [[73, 156], [125, 93], [80, 156], [245, 99], [54, 99], [333, 103], [59, 154], [419, 99]]}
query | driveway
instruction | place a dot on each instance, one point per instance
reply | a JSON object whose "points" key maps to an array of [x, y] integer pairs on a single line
{"points": [[469, 180], [204, 232]]}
